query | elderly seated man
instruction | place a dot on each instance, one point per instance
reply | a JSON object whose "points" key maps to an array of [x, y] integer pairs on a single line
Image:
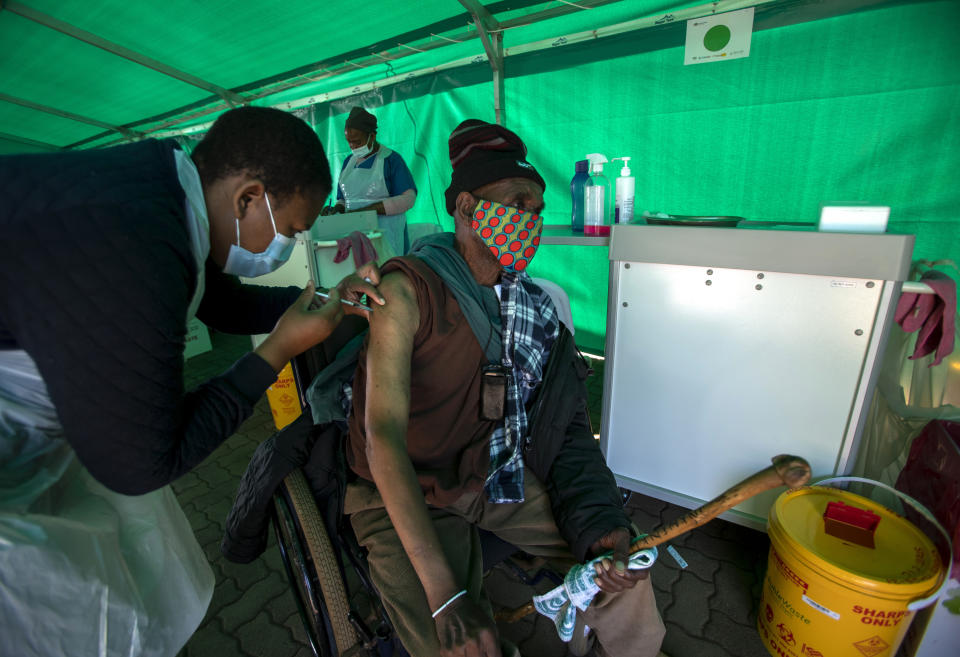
{"points": [[469, 411]]}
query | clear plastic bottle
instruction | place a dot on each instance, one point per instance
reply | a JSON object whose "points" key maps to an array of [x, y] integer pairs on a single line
{"points": [[576, 195], [625, 188], [598, 197]]}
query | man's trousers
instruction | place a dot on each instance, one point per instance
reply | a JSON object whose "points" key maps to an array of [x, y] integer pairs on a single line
{"points": [[626, 624]]}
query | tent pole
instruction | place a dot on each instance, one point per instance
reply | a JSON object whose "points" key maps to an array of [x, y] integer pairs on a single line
{"points": [[499, 106], [126, 132], [493, 46], [70, 30], [28, 142]]}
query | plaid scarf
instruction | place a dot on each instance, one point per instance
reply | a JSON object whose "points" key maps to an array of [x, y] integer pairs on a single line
{"points": [[530, 327]]}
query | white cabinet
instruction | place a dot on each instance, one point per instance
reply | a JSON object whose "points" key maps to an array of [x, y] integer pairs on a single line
{"points": [[727, 346]]}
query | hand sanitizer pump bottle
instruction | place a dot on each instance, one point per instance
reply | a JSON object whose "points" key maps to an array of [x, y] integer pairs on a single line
{"points": [[598, 199], [625, 187]]}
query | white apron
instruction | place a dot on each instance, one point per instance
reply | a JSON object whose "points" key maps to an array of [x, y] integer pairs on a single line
{"points": [[86, 571], [363, 187]]}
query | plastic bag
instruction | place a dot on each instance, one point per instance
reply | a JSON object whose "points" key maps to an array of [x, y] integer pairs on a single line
{"points": [[932, 476], [909, 394], [100, 574], [84, 570]]}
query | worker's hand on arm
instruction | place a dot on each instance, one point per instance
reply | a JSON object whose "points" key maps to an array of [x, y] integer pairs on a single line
{"points": [[302, 326], [465, 629], [362, 282], [462, 628], [613, 575]]}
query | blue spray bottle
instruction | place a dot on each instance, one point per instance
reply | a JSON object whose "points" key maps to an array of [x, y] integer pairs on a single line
{"points": [[576, 195]]}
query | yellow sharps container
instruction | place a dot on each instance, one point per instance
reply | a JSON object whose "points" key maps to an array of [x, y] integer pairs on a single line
{"points": [[845, 576], [284, 398]]}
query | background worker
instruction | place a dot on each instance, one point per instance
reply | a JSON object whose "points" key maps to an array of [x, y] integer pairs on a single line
{"points": [[373, 177], [108, 254]]}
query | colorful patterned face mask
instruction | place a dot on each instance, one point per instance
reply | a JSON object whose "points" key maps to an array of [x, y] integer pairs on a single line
{"points": [[511, 234]]}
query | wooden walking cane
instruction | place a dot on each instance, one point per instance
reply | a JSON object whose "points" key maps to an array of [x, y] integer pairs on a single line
{"points": [[791, 471]]}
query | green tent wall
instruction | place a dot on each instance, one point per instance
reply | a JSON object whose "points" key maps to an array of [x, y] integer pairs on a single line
{"points": [[860, 106]]}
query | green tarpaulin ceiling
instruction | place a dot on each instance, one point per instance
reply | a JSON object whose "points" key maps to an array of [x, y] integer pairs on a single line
{"points": [[840, 100]]}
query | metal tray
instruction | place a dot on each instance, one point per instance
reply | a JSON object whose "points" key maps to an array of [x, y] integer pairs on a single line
{"points": [[691, 220]]}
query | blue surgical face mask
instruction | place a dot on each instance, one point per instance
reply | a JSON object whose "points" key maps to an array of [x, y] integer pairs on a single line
{"points": [[241, 262]]}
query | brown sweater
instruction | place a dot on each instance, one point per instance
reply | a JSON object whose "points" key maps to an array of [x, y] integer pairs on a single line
{"points": [[447, 441]]}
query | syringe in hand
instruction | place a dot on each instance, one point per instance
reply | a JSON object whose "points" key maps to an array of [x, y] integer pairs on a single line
{"points": [[325, 296]]}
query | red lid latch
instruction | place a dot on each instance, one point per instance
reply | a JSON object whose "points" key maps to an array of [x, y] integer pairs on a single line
{"points": [[850, 523]]}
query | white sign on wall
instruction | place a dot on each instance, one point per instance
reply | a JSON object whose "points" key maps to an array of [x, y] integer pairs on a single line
{"points": [[197, 340], [719, 37]]}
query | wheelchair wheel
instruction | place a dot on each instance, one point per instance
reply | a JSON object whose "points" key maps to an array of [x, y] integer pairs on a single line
{"points": [[303, 542]]}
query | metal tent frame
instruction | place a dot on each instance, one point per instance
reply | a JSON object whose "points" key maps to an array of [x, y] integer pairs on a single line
{"points": [[479, 22]]}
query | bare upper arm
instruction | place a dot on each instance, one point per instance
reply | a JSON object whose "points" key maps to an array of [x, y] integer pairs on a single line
{"points": [[398, 320], [390, 349]]}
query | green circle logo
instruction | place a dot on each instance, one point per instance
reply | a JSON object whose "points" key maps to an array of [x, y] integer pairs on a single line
{"points": [[716, 38]]}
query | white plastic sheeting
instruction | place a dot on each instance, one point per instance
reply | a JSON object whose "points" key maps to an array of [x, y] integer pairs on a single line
{"points": [[84, 570]]}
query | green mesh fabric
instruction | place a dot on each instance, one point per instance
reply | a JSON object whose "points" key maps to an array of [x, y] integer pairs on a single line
{"points": [[861, 106], [864, 107]]}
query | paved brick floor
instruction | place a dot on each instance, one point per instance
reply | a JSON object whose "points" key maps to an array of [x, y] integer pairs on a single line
{"points": [[252, 612], [709, 607]]}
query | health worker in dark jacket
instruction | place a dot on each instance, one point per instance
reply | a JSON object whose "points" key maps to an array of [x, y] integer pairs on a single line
{"points": [[107, 255], [445, 432]]}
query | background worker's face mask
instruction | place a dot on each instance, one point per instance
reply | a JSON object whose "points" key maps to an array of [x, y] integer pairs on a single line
{"points": [[241, 262], [511, 234], [363, 151]]}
